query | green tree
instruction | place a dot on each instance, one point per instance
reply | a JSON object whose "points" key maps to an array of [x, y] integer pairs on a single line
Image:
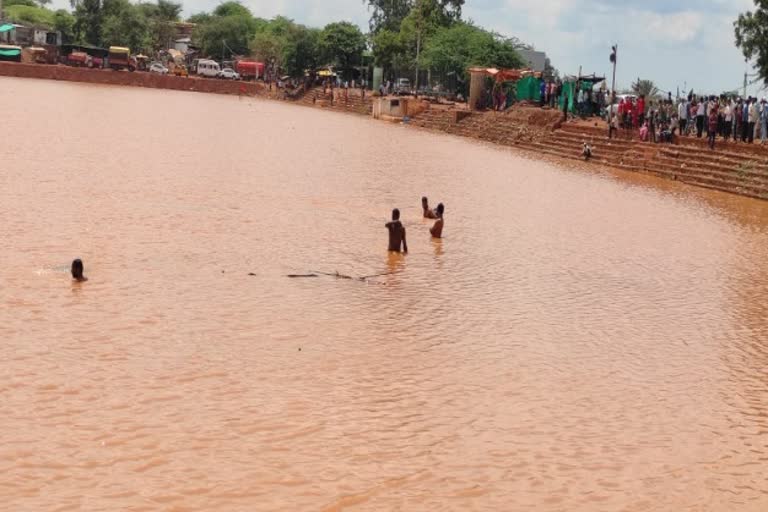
{"points": [[88, 20], [25, 14], [200, 18], [64, 22], [342, 43], [456, 48], [292, 47], [645, 88], [124, 25], [232, 8], [388, 47], [227, 36], [751, 29], [389, 14], [301, 53], [160, 18], [11, 3]]}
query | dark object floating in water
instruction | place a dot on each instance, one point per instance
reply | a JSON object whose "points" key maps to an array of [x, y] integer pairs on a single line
{"points": [[293, 276], [252, 274], [352, 278]]}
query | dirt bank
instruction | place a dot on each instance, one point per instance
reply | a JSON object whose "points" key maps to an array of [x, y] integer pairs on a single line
{"points": [[136, 79]]}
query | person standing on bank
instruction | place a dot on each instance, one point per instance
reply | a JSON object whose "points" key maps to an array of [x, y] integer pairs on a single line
{"points": [[712, 132], [754, 116], [700, 118], [437, 229], [396, 233]]}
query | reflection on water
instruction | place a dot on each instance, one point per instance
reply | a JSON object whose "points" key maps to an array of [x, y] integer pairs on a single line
{"points": [[578, 341]]}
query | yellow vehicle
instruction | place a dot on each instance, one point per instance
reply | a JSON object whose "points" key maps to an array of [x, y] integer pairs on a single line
{"points": [[121, 58], [180, 71]]}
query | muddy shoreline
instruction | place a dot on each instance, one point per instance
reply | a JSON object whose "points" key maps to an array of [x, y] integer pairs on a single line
{"points": [[136, 79], [735, 169]]}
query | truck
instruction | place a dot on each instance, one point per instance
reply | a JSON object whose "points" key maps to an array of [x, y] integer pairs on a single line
{"points": [[250, 70], [121, 58]]}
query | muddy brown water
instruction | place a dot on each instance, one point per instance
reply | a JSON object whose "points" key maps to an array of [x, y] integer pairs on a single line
{"points": [[580, 340]]}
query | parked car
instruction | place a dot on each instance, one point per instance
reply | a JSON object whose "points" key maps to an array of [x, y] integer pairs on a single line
{"points": [[229, 74], [403, 87], [209, 68], [158, 68]]}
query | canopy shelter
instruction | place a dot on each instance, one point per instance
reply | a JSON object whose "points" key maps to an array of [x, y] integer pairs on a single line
{"points": [[11, 53], [93, 51], [6, 27], [479, 75]]}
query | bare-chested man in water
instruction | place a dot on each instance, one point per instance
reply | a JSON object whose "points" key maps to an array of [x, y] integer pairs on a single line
{"points": [[396, 233], [437, 229], [77, 271], [428, 212]]}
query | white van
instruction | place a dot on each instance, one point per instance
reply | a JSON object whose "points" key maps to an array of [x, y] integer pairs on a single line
{"points": [[209, 68]]}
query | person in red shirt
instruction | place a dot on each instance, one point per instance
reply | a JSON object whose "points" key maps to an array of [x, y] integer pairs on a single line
{"points": [[641, 110], [622, 110]]}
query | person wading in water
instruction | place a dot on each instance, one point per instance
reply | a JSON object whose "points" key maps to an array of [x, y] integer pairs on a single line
{"points": [[428, 212], [77, 271], [396, 233], [437, 229]]}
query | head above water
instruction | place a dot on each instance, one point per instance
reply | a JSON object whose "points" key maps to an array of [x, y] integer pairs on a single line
{"points": [[425, 202], [440, 209], [395, 214], [77, 269]]}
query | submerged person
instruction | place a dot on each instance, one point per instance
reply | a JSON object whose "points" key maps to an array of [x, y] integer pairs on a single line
{"points": [[428, 212], [77, 271], [396, 233], [437, 229]]}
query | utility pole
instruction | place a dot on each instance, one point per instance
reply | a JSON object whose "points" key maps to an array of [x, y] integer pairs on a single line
{"points": [[611, 110], [418, 52], [745, 78], [614, 57]]}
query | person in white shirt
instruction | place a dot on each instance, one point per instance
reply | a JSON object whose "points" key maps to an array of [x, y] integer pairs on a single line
{"points": [[754, 115], [728, 116], [700, 117], [682, 114]]}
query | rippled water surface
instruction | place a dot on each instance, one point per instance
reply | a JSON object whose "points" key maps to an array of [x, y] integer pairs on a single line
{"points": [[578, 341]]}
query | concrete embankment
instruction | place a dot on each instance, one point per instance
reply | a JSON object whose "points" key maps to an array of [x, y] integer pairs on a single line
{"points": [[735, 168], [135, 79]]}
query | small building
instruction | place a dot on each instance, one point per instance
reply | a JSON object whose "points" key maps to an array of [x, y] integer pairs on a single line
{"points": [[396, 108], [32, 36], [534, 60], [182, 45]]}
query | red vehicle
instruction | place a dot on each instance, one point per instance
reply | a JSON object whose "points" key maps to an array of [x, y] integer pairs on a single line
{"points": [[250, 70], [79, 59]]}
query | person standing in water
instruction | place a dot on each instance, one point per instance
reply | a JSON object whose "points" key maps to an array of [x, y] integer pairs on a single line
{"points": [[437, 229], [428, 212], [396, 233], [77, 271]]}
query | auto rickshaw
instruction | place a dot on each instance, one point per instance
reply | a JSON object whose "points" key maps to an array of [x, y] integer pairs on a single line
{"points": [[180, 70], [142, 62], [38, 55]]}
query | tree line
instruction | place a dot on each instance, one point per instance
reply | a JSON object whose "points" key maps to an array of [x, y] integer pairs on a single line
{"points": [[403, 34]]}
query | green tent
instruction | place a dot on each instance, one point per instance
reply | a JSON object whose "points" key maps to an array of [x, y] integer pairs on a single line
{"points": [[569, 95], [529, 88], [6, 27]]}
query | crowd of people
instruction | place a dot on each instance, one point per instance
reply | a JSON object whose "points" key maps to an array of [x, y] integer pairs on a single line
{"points": [[730, 118]]}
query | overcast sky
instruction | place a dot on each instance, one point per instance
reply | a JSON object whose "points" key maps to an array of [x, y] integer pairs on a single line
{"points": [[676, 43]]}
